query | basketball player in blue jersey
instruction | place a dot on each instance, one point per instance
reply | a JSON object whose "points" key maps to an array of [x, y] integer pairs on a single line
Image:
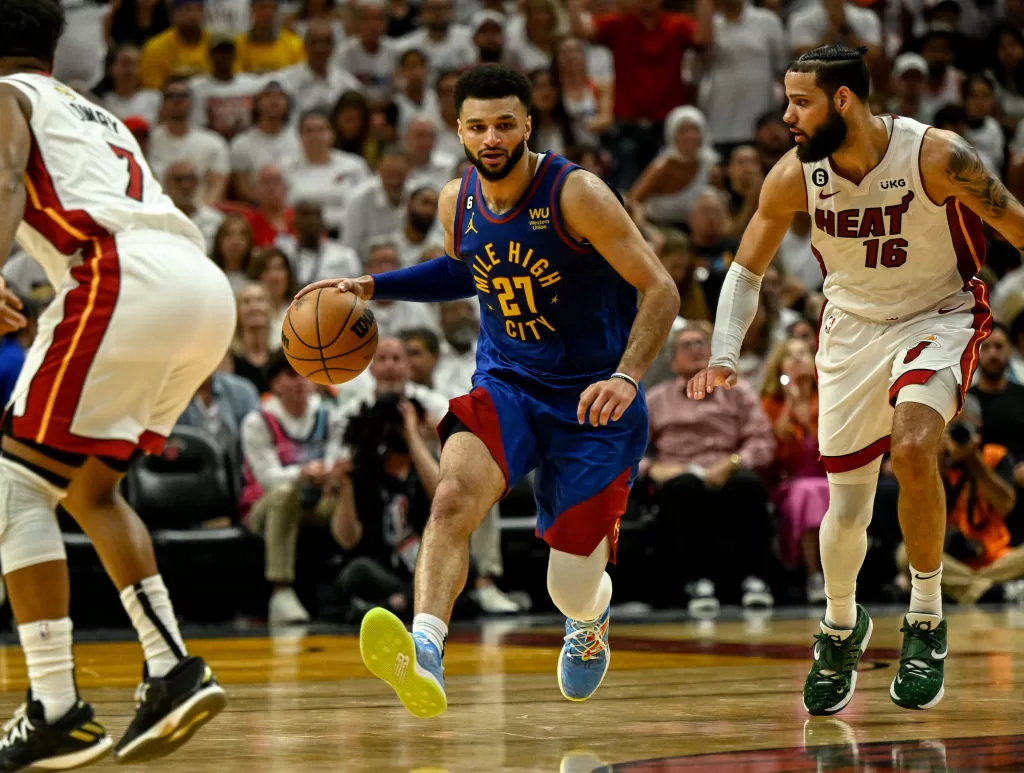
{"points": [[558, 266]]}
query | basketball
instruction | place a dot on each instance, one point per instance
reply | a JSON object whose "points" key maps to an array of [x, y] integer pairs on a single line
{"points": [[329, 336]]}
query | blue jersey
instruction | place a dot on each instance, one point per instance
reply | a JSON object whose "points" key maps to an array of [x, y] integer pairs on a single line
{"points": [[553, 312]]}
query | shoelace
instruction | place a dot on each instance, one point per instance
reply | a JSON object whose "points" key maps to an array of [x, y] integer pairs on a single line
{"points": [[17, 728], [915, 666], [585, 641], [834, 645], [140, 694]]}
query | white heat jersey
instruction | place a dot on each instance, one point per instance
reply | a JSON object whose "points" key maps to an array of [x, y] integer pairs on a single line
{"points": [[86, 181], [887, 251]]}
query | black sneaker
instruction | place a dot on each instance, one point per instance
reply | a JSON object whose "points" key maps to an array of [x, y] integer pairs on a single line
{"points": [[169, 710], [73, 741]]}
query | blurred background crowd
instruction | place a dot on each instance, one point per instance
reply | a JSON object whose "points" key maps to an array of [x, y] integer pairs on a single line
{"points": [[310, 139]]}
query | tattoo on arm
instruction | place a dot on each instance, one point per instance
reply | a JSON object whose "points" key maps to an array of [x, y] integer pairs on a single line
{"points": [[968, 174]]}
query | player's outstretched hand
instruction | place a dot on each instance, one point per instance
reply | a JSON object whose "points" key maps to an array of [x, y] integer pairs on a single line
{"points": [[10, 304], [605, 401], [704, 383], [361, 287]]}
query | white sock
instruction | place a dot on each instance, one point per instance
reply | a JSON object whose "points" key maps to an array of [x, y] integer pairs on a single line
{"points": [[434, 628], [926, 591], [150, 610], [51, 666]]}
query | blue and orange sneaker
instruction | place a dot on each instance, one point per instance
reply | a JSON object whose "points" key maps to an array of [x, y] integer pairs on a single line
{"points": [[410, 663], [585, 657]]}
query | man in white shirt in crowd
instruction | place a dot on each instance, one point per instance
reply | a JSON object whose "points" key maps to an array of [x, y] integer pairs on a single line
{"points": [[833, 21], [749, 54], [127, 97], [270, 139], [181, 183], [378, 206], [447, 139], [312, 255], [317, 83], [429, 167], [412, 95], [420, 228], [447, 45], [331, 176], [489, 38], [394, 316], [460, 327], [175, 138], [422, 348], [222, 101], [368, 55]]}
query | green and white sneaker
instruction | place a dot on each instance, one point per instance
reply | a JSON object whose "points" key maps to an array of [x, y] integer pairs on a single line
{"points": [[833, 676], [919, 682]]}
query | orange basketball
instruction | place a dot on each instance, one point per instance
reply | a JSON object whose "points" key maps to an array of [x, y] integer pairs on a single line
{"points": [[329, 336]]}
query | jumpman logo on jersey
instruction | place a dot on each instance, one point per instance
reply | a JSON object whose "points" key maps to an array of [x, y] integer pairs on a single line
{"points": [[471, 228]]}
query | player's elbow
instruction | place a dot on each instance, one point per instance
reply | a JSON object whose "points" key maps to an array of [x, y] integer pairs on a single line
{"points": [[664, 290]]}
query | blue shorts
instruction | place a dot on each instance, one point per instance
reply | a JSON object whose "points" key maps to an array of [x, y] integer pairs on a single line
{"points": [[584, 473]]}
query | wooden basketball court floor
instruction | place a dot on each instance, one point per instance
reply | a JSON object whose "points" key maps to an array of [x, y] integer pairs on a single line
{"points": [[681, 695]]}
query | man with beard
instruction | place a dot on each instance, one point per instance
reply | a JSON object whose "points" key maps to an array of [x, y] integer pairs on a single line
{"points": [[556, 263], [419, 228], [897, 209], [1002, 401]]}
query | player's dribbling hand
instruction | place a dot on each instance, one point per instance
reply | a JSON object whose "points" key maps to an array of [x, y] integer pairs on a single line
{"points": [[362, 287], [10, 319], [705, 381], [605, 401]]}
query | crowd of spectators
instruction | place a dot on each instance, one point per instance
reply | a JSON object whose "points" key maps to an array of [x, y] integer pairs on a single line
{"points": [[310, 139]]}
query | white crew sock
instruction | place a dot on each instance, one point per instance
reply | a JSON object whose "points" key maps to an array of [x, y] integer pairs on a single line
{"points": [[149, 607], [51, 666], [926, 591], [434, 628]]}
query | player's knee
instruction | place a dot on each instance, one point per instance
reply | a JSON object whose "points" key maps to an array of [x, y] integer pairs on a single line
{"points": [[914, 457], [29, 533], [455, 505]]}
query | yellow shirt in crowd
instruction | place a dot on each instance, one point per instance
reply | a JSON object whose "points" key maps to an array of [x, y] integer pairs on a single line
{"points": [[287, 50], [167, 53]]}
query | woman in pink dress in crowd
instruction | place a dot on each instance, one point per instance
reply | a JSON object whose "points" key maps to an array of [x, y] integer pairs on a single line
{"points": [[790, 399]]}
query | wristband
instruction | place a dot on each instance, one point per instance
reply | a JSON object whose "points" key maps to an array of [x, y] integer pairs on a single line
{"points": [[624, 377]]}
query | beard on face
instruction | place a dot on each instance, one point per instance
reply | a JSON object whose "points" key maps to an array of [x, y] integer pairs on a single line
{"points": [[494, 175], [825, 141], [994, 370], [421, 223]]}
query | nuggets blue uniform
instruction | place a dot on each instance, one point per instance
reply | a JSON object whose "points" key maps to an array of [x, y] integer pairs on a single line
{"points": [[555, 318]]}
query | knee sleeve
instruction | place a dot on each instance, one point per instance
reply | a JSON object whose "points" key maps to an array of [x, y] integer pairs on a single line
{"points": [[579, 585], [941, 393], [29, 533], [851, 502]]}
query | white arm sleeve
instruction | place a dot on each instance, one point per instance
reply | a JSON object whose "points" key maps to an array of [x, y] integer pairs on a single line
{"points": [[737, 306]]}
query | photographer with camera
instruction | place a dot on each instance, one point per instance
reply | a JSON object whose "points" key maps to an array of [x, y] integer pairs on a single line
{"points": [[978, 479], [384, 501]]}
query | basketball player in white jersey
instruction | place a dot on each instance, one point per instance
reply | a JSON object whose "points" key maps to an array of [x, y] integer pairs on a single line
{"points": [[897, 209], [140, 319]]}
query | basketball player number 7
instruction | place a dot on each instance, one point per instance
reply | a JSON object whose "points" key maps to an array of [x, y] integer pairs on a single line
{"points": [[134, 189]]}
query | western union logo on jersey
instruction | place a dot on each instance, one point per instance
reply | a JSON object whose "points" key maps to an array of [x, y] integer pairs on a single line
{"points": [[540, 218]]}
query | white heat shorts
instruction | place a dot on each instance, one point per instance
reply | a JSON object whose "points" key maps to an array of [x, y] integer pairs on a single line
{"points": [[132, 333], [862, 366]]}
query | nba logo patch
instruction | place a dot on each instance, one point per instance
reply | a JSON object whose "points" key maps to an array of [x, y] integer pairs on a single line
{"points": [[829, 323]]}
